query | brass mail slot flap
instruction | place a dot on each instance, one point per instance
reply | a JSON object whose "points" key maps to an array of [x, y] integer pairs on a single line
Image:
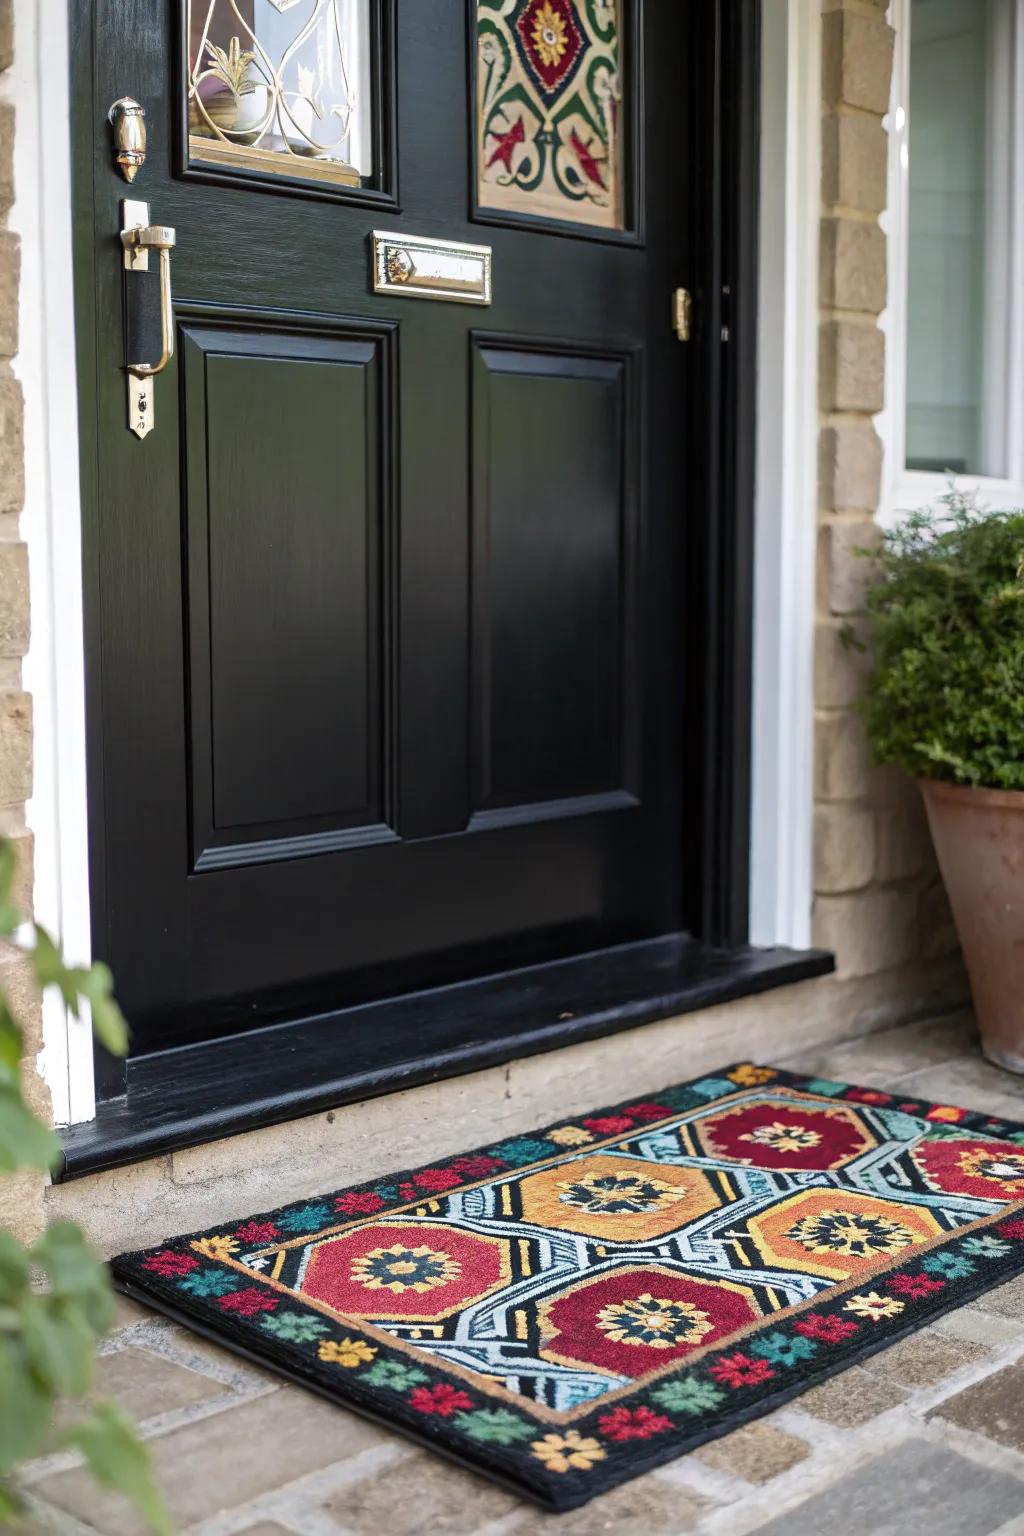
{"points": [[414, 268]]}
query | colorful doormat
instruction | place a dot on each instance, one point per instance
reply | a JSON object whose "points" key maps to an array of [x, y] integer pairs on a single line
{"points": [[567, 1309]]}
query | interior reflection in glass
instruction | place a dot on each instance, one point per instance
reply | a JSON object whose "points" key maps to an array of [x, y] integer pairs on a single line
{"points": [[282, 86]]}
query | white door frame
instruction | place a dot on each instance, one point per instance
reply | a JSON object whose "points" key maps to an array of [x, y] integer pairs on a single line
{"points": [[54, 672], [786, 500], [785, 503]]}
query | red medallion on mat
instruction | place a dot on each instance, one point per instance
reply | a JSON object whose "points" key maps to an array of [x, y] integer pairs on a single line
{"points": [[420, 1271], [777, 1133], [632, 1321], [989, 1169]]}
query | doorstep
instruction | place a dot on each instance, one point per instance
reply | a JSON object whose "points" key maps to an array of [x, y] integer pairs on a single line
{"points": [[200, 1093]]}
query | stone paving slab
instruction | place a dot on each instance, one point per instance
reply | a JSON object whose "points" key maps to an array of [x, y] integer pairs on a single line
{"points": [[646, 1505], [756, 1453], [222, 1462], [923, 1359], [918, 1489], [892, 1052], [993, 1407], [924, 1439], [420, 1493], [851, 1399]]}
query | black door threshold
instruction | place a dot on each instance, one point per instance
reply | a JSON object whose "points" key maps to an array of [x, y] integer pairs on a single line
{"points": [[198, 1093]]}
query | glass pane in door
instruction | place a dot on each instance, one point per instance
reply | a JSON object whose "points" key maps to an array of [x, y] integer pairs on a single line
{"points": [[550, 110], [282, 86]]}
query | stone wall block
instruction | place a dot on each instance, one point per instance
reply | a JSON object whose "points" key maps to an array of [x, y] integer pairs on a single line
{"points": [[938, 930], [842, 757], [852, 266], [21, 1204], [845, 567], [12, 442], [868, 931], [6, 34], [14, 600], [18, 983], [903, 840], [841, 666], [856, 61], [854, 168], [849, 466], [851, 366], [844, 848], [15, 747], [10, 270], [6, 156]]}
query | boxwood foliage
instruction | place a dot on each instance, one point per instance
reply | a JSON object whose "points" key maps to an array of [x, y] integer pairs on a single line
{"points": [[945, 698]]}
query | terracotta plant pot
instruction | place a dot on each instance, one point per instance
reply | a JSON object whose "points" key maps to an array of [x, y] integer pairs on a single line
{"points": [[979, 839]]}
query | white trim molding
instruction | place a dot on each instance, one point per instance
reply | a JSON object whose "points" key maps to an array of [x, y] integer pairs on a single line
{"points": [[51, 526], [781, 886]]}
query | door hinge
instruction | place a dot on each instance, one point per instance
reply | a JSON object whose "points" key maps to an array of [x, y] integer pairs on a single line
{"points": [[682, 313]]}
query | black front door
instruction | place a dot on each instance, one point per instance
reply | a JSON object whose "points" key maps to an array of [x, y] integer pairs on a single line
{"points": [[390, 646]]}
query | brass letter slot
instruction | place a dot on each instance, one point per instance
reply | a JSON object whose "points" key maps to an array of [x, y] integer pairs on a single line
{"points": [[413, 268]]}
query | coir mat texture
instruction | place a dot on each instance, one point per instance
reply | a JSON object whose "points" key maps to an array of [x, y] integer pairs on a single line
{"points": [[567, 1309]]}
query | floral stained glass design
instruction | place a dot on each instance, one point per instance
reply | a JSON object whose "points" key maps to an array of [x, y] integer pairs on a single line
{"points": [[282, 86], [550, 110]]}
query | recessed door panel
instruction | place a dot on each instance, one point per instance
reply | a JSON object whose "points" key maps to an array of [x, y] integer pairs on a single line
{"points": [[554, 507], [285, 501]]}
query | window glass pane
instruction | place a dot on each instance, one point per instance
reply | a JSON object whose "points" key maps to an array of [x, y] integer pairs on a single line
{"points": [[282, 86], [949, 113], [550, 109]]}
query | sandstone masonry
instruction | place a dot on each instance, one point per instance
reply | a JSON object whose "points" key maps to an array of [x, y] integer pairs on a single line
{"points": [[21, 1198], [878, 899]]}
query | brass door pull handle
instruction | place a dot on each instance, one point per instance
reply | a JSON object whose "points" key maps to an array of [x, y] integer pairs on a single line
{"points": [[156, 237], [138, 238]]}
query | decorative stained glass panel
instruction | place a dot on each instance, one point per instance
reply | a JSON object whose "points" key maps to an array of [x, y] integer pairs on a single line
{"points": [[550, 110], [282, 86]]}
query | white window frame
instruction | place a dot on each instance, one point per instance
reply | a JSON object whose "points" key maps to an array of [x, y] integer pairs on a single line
{"points": [[786, 502], [905, 490]]}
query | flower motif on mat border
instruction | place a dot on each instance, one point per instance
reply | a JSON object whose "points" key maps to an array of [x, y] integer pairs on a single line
{"points": [[897, 1275]]}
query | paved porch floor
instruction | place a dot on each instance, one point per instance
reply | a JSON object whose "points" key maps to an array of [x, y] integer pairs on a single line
{"points": [[926, 1439]]}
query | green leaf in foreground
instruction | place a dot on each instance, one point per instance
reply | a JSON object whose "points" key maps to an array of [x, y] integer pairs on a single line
{"points": [[118, 1459], [60, 1346], [48, 1335], [74, 1273], [14, 1268], [22, 1430], [24, 1141], [97, 986]]}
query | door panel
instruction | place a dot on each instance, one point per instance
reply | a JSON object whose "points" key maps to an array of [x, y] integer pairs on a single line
{"points": [[552, 541], [285, 437], [388, 617]]}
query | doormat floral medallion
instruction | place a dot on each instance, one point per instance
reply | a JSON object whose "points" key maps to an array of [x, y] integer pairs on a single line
{"points": [[567, 1309]]}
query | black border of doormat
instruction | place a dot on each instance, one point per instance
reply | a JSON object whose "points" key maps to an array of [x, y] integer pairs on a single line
{"points": [[615, 1439]]}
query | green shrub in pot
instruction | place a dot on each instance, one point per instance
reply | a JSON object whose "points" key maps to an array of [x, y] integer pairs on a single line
{"points": [[945, 702], [946, 696]]}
